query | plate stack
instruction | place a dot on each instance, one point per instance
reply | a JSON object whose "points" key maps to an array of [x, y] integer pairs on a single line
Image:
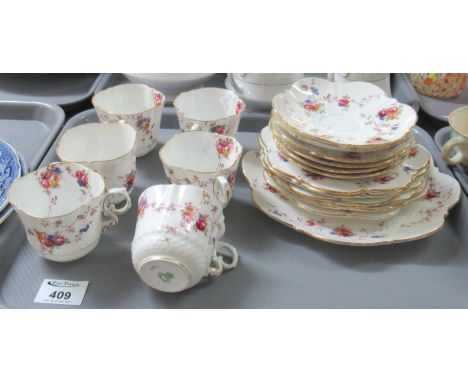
{"points": [[343, 150]]}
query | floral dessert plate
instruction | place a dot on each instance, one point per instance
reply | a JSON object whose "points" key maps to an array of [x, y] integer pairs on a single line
{"points": [[354, 203], [355, 115], [10, 170], [338, 158], [392, 181], [309, 206], [420, 219]]}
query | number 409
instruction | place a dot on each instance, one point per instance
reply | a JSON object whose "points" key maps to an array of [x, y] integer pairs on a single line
{"points": [[59, 295]]}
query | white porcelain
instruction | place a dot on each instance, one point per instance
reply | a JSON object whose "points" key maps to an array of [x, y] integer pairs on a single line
{"points": [[256, 96], [396, 179], [356, 115], [420, 219], [458, 143], [278, 79], [137, 105], [61, 209], [209, 109], [170, 83], [382, 80], [107, 148], [177, 237], [204, 159]]}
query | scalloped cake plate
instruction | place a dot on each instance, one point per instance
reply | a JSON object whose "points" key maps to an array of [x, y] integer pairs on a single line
{"points": [[351, 114], [420, 219]]}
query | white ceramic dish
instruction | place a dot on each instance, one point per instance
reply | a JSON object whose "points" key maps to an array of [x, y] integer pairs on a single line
{"points": [[355, 115], [170, 83], [420, 219], [391, 182]]}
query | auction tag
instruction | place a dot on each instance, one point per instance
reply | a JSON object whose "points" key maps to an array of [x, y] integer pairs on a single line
{"points": [[61, 292]]}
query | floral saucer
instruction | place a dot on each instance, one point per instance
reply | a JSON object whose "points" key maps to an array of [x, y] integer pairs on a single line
{"points": [[352, 115], [420, 219], [393, 181], [10, 170]]}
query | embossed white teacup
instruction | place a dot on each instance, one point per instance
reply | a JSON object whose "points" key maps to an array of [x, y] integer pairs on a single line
{"points": [[61, 208], [209, 109], [177, 237], [458, 144], [138, 105], [107, 148], [202, 158]]}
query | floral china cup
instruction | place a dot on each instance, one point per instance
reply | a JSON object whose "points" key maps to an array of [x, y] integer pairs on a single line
{"points": [[60, 207], [137, 105], [209, 109], [177, 237], [107, 148], [458, 120], [202, 158]]}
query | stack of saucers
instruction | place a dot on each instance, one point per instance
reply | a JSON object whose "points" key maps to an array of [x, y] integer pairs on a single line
{"points": [[337, 158], [343, 150]]}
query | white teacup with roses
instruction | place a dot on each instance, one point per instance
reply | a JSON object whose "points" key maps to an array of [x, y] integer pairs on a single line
{"points": [[205, 159], [209, 109], [137, 105], [177, 237], [61, 208]]}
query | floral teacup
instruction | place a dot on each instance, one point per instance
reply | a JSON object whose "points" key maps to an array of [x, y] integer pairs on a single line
{"points": [[107, 148], [458, 120], [177, 237], [138, 105], [205, 159], [209, 109], [61, 209]]}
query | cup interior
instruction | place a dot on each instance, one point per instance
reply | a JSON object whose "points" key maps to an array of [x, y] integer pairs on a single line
{"points": [[458, 119], [128, 99], [55, 190], [95, 142], [208, 104], [201, 151]]}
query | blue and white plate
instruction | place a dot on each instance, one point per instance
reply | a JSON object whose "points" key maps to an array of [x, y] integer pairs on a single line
{"points": [[9, 208]]}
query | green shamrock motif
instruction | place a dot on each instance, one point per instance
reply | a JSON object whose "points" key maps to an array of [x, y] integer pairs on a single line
{"points": [[166, 277]]}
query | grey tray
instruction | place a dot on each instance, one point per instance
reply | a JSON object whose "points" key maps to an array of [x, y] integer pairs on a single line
{"points": [[113, 79], [442, 136], [278, 267], [65, 90], [29, 127], [438, 108]]}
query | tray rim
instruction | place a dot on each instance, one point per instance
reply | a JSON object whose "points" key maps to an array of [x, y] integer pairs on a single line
{"points": [[81, 98]]}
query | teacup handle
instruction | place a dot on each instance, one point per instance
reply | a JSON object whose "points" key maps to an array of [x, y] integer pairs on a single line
{"points": [[111, 211], [447, 148], [219, 264], [222, 190], [195, 127]]}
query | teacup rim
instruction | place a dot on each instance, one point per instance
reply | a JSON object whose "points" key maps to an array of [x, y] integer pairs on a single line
{"points": [[64, 160], [178, 110], [15, 206], [112, 88], [451, 116], [155, 186], [238, 157]]}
